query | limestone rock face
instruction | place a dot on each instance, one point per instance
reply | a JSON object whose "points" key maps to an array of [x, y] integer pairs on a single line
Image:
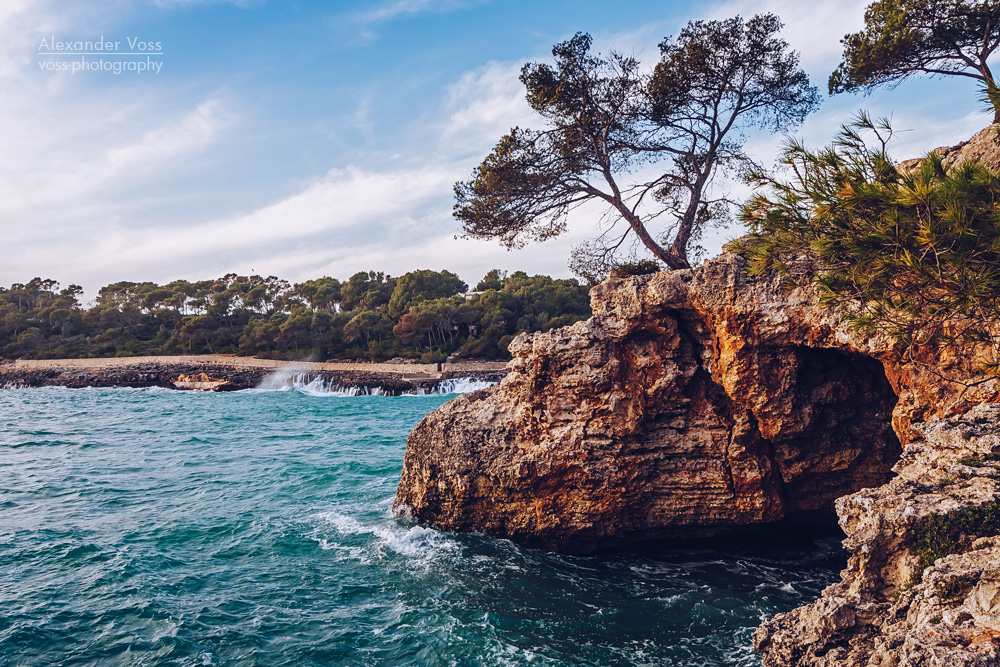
{"points": [[887, 610], [699, 402], [693, 403], [983, 148]]}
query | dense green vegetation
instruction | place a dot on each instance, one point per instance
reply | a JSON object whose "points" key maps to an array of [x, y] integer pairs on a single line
{"points": [[421, 315], [914, 254], [939, 535]]}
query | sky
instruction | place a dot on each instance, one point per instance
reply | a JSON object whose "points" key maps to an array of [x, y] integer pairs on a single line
{"points": [[306, 138]]}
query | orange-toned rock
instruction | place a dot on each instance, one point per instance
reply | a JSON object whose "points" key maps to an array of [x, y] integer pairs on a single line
{"points": [[693, 403], [699, 402], [199, 382]]}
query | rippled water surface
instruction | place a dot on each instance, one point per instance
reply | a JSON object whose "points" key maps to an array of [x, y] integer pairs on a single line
{"points": [[149, 527]]}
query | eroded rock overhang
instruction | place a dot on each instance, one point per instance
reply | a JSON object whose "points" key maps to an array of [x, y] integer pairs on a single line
{"points": [[694, 403]]}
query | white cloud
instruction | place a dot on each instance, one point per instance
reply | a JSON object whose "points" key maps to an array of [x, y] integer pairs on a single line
{"points": [[485, 103], [74, 171], [191, 132], [812, 28], [23, 23], [69, 139], [402, 8]]}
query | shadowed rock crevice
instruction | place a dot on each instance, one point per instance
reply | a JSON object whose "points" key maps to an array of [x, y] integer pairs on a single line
{"points": [[837, 436]]}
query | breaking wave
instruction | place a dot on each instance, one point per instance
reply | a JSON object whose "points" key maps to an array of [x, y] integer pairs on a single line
{"points": [[315, 385]]}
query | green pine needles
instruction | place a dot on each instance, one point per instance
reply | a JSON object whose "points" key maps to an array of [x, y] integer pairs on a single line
{"points": [[915, 254]]}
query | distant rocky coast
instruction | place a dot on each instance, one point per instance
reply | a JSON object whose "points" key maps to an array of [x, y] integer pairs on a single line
{"points": [[234, 373]]}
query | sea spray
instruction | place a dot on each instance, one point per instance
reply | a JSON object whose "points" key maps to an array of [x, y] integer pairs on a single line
{"points": [[281, 379], [288, 378]]}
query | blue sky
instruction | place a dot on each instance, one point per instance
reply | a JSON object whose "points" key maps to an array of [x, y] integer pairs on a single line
{"points": [[321, 138]]}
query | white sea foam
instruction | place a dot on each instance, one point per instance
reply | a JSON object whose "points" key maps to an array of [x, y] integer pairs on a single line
{"points": [[345, 525], [416, 543], [461, 386], [289, 380], [303, 383]]}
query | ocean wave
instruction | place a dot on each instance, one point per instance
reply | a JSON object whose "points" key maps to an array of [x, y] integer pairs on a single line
{"points": [[416, 543], [309, 385]]}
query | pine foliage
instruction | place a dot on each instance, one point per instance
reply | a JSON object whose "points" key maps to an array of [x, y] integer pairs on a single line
{"points": [[912, 254]]}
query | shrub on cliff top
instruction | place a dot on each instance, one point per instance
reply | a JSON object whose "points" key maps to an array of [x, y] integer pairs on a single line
{"points": [[640, 267], [916, 255], [942, 534]]}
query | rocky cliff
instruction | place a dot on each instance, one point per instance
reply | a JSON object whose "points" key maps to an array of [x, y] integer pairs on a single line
{"points": [[922, 586], [692, 404], [701, 402]]}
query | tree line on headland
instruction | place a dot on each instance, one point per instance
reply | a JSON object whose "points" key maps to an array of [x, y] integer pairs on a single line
{"points": [[422, 315]]}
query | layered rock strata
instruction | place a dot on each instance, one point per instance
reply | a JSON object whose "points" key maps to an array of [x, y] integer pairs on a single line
{"points": [[692, 404], [698, 402]]}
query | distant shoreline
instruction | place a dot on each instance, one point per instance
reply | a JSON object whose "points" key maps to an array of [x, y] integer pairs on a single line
{"points": [[238, 372]]}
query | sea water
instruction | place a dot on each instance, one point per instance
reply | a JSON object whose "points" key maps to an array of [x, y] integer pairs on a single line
{"points": [[153, 527]]}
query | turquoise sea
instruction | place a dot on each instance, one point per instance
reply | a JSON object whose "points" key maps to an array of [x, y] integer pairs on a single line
{"points": [[152, 527]]}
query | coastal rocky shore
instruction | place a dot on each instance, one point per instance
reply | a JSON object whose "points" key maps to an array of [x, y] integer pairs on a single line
{"points": [[694, 403], [922, 586], [704, 402], [239, 373]]}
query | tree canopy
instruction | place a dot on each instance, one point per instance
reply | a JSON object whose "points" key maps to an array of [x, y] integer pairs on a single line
{"points": [[647, 146], [906, 37], [420, 315]]}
